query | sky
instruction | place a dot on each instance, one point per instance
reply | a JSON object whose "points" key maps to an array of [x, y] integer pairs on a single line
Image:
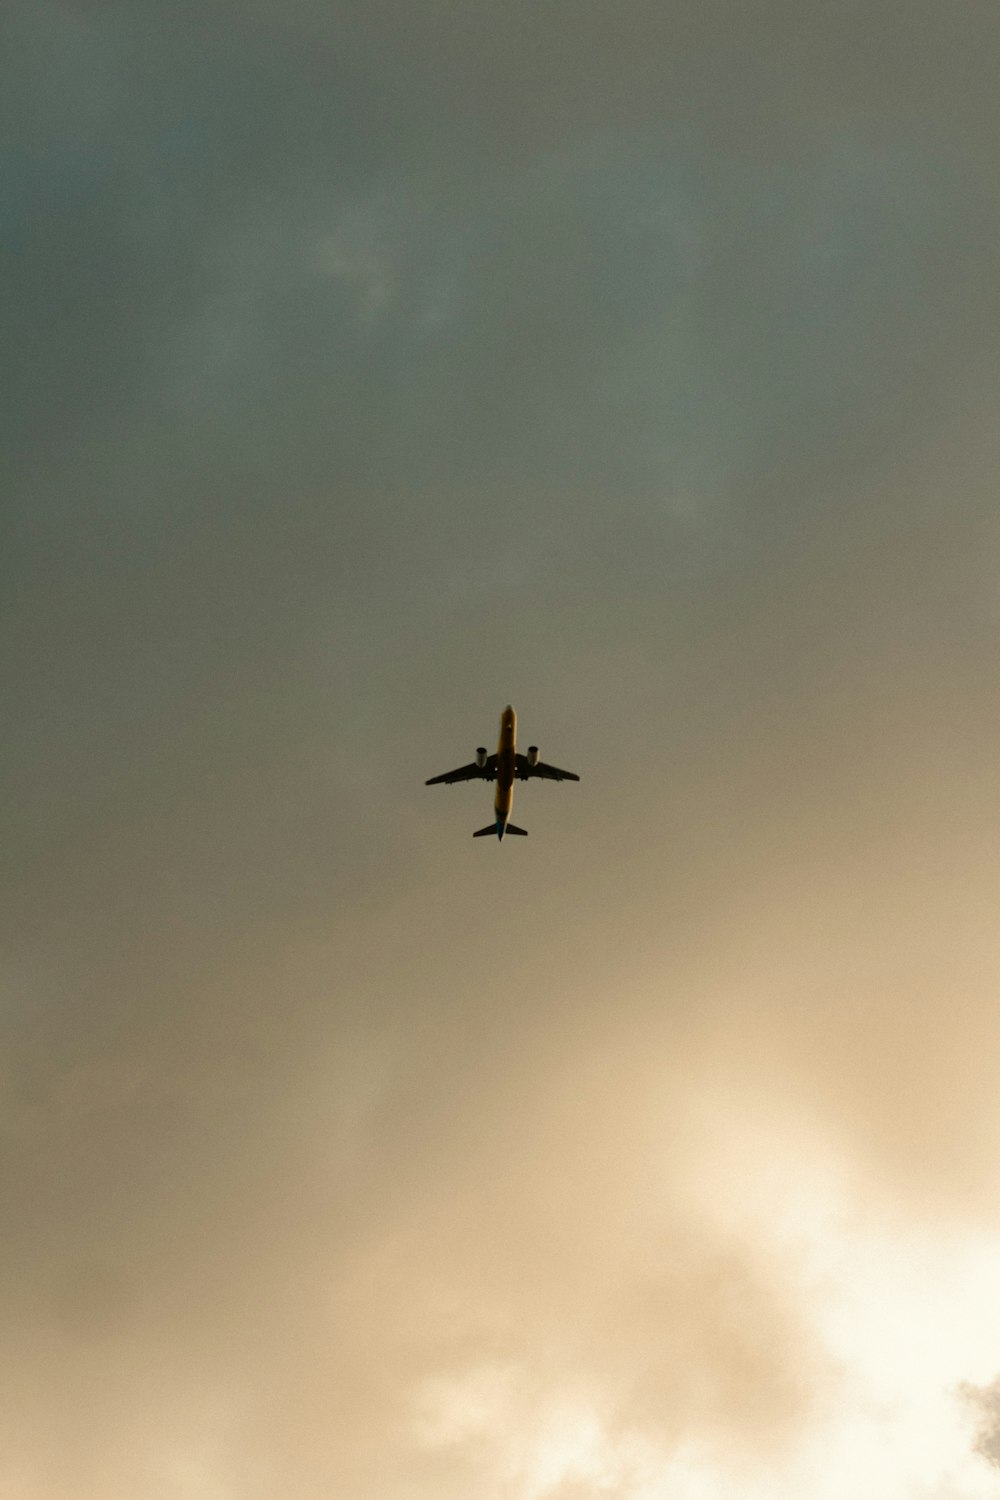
{"points": [[369, 366]]}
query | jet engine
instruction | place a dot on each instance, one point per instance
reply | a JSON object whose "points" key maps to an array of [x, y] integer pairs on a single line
{"points": [[532, 755], [481, 756]]}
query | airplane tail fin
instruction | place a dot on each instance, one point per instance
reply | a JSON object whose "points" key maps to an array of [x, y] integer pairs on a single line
{"points": [[482, 833], [512, 828]]}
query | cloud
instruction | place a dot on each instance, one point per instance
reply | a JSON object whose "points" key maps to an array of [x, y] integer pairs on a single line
{"points": [[985, 1403], [373, 365]]}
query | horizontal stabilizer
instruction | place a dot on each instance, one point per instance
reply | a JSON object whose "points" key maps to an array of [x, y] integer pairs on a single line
{"points": [[512, 828], [499, 829]]}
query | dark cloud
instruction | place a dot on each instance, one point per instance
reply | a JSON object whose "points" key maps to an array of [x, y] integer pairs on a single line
{"points": [[368, 366]]}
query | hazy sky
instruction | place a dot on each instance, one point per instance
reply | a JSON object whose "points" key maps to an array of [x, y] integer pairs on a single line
{"points": [[367, 367]]}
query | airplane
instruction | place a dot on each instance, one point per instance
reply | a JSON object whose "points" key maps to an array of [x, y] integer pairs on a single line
{"points": [[503, 768]]}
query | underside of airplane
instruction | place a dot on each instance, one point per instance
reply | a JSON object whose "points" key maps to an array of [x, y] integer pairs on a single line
{"points": [[506, 766]]}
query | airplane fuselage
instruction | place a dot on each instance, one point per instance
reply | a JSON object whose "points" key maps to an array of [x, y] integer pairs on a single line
{"points": [[506, 750]]}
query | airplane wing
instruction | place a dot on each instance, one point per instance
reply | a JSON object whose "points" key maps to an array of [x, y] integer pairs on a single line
{"points": [[474, 772], [524, 769]]}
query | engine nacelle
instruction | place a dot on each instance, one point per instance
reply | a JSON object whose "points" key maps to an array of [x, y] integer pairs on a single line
{"points": [[481, 756], [532, 755]]}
